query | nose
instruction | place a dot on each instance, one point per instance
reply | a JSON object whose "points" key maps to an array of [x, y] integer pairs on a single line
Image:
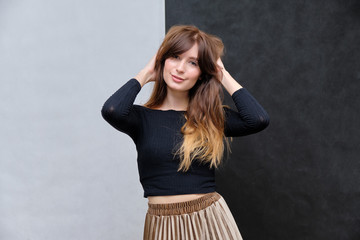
{"points": [[180, 66]]}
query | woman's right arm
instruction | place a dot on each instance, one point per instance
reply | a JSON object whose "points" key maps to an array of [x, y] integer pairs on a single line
{"points": [[119, 111], [147, 74]]}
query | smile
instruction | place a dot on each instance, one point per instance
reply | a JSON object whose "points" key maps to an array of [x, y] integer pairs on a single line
{"points": [[177, 79]]}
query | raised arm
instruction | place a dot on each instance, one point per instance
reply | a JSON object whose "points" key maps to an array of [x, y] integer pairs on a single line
{"points": [[250, 117], [147, 74], [229, 83], [119, 109]]}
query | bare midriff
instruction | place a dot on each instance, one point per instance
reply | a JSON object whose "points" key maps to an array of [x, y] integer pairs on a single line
{"points": [[174, 198]]}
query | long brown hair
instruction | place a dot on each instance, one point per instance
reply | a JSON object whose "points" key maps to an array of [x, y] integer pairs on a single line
{"points": [[204, 129]]}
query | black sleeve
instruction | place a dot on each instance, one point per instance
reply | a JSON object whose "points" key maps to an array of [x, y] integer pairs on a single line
{"points": [[119, 109], [250, 117]]}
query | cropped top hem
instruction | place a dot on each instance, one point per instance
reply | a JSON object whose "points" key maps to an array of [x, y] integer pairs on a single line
{"points": [[177, 192]]}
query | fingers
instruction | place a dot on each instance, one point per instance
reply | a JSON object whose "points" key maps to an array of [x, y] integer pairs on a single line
{"points": [[220, 64], [147, 74], [151, 63], [220, 68]]}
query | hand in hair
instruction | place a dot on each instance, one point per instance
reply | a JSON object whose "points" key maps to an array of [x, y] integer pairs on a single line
{"points": [[229, 83], [147, 74], [220, 68], [220, 64]]}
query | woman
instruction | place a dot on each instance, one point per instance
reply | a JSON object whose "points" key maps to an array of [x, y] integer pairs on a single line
{"points": [[180, 134]]}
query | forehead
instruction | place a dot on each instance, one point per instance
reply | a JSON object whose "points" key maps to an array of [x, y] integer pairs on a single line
{"points": [[192, 52]]}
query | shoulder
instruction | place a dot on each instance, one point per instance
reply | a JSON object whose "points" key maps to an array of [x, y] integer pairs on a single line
{"points": [[142, 108]]}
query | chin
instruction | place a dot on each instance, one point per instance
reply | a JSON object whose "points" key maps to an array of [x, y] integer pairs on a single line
{"points": [[177, 88]]}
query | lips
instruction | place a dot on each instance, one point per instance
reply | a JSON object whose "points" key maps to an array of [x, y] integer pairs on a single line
{"points": [[177, 79]]}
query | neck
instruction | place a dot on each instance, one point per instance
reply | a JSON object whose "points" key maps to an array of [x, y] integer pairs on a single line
{"points": [[175, 100]]}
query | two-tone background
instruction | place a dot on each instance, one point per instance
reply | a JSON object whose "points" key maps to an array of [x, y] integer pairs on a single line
{"points": [[66, 174]]}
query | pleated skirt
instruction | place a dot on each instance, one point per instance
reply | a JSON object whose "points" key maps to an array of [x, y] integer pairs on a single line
{"points": [[205, 218]]}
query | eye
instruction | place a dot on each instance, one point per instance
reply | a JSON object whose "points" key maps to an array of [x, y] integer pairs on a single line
{"points": [[193, 63], [175, 56]]}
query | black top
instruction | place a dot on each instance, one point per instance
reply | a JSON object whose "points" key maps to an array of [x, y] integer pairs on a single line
{"points": [[156, 133]]}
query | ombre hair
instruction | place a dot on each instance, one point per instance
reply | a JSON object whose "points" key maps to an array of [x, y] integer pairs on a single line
{"points": [[203, 130]]}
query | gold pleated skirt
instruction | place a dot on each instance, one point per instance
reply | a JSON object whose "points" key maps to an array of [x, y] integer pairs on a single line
{"points": [[205, 218]]}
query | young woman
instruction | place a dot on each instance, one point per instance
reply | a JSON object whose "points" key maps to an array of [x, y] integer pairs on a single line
{"points": [[180, 134]]}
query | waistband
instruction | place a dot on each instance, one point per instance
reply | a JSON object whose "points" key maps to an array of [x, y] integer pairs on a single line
{"points": [[183, 207]]}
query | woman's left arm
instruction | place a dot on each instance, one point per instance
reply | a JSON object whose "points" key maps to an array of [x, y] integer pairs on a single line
{"points": [[229, 83], [251, 117]]}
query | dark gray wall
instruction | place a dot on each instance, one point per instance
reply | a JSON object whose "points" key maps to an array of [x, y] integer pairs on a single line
{"points": [[300, 178]]}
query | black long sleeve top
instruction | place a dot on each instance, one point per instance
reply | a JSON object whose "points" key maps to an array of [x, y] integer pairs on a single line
{"points": [[157, 133]]}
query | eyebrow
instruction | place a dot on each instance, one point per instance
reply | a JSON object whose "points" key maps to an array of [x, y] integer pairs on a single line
{"points": [[194, 58]]}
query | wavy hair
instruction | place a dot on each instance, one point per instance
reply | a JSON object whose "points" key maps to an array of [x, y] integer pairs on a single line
{"points": [[203, 131]]}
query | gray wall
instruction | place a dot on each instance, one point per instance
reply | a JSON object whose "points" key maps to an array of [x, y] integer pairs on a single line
{"points": [[64, 172]]}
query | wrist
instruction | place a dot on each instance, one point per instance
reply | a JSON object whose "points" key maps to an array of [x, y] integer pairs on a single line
{"points": [[226, 76], [229, 83], [143, 77]]}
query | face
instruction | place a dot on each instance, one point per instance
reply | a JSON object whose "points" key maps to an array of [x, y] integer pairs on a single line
{"points": [[182, 71]]}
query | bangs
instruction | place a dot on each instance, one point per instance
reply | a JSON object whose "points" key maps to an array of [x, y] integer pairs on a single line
{"points": [[180, 45]]}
